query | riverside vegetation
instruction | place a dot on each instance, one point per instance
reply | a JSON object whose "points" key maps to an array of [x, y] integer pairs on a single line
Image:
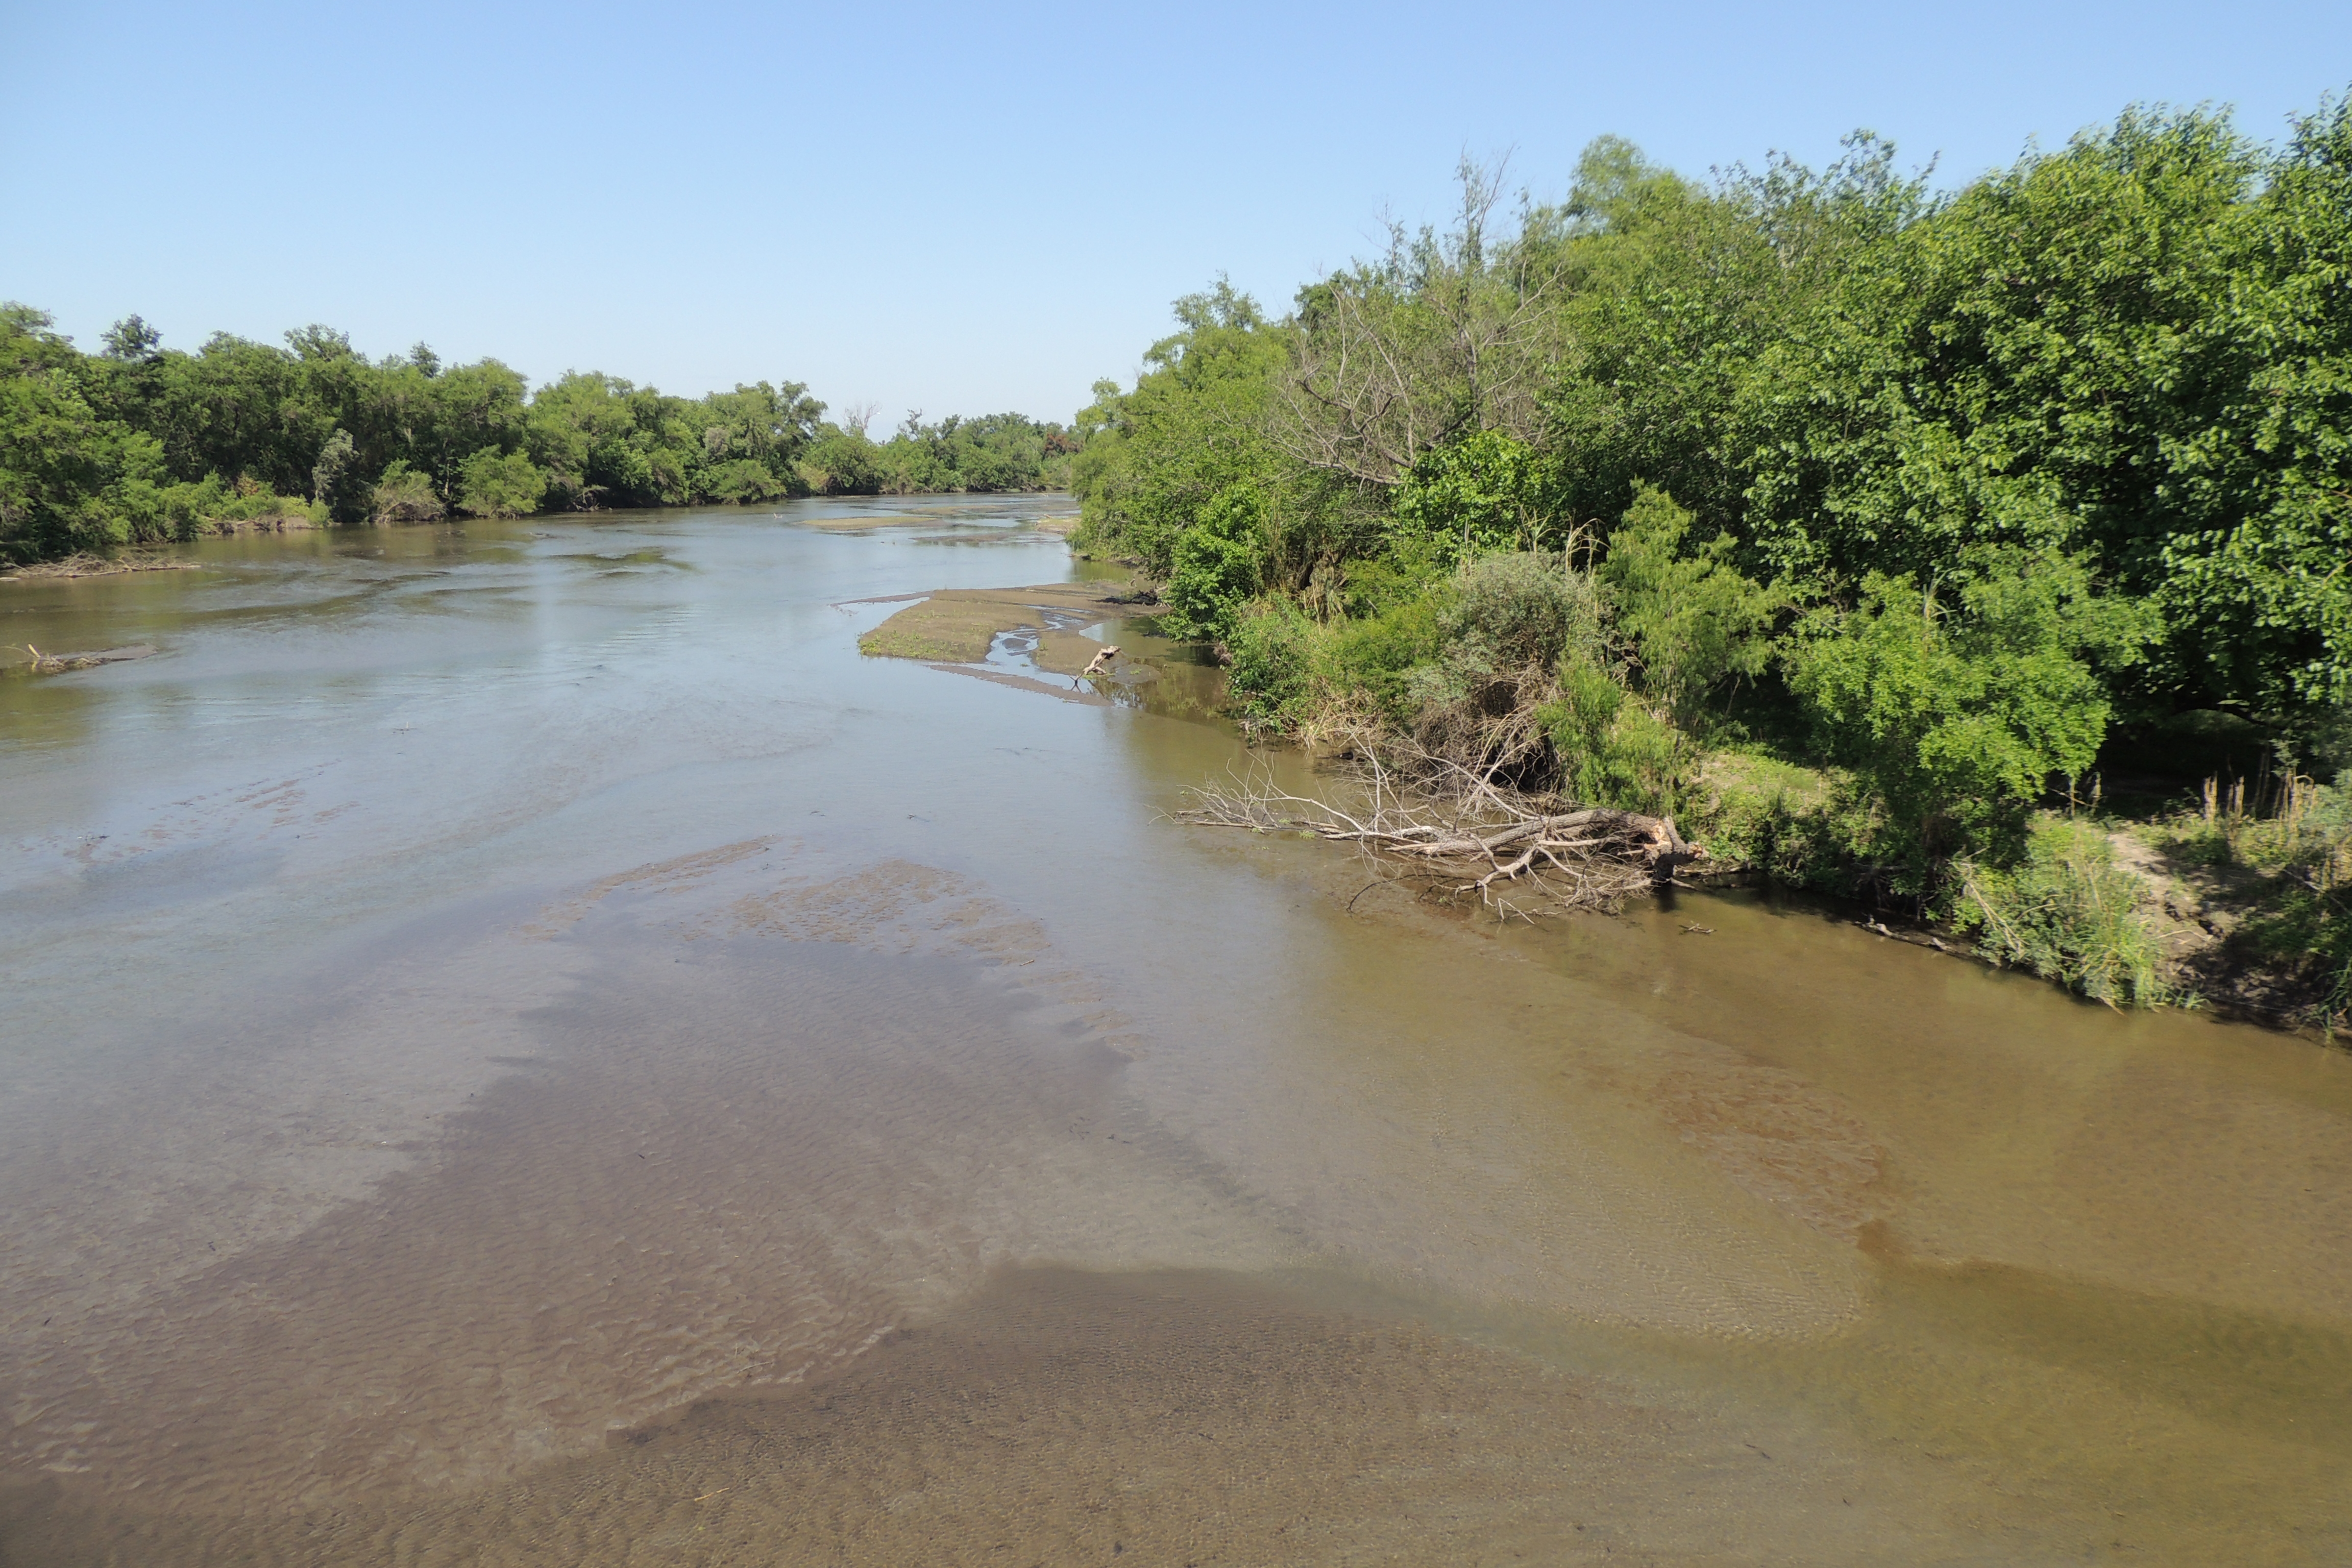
{"points": [[1924, 548], [141, 445]]}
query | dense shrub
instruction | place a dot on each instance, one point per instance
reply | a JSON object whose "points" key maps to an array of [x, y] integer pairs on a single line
{"points": [[404, 495], [1272, 672], [1689, 619], [1523, 608], [492, 483], [1957, 701], [1214, 570], [1611, 750], [1371, 661]]}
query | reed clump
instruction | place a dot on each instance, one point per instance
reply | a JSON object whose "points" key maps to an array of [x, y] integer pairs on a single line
{"points": [[2068, 913]]}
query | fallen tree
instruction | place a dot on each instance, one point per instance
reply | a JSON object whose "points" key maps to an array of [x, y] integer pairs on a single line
{"points": [[1455, 831]]}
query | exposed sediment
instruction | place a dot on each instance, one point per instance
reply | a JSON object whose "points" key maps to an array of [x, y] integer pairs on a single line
{"points": [[956, 626]]}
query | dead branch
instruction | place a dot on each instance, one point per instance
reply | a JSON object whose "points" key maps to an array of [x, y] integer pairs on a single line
{"points": [[1519, 858], [1442, 336]]}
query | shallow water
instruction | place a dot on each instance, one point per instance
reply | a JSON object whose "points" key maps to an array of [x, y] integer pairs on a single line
{"points": [[524, 1047]]}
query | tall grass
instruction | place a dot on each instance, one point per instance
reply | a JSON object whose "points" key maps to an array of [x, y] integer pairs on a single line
{"points": [[2069, 913]]}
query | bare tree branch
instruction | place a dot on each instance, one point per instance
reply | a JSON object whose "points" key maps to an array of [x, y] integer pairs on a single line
{"points": [[1443, 337], [1454, 830]]}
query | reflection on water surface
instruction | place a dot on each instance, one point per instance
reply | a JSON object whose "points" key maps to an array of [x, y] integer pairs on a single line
{"points": [[524, 1047]]}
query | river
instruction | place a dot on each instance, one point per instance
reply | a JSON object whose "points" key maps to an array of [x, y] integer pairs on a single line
{"points": [[524, 1047]]}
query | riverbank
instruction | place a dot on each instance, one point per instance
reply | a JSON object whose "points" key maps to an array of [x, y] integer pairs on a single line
{"points": [[1820, 469], [2229, 911], [2198, 903]]}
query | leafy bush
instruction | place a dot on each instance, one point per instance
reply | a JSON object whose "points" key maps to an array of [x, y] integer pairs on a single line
{"points": [[496, 484], [1612, 751], [742, 480], [1523, 608], [188, 512], [1957, 714], [404, 495], [1691, 618], [1489, 491], [1800, 827], [1271, 678], [1378, 585], [1214, 570], [1374, 657], [842, 464]]}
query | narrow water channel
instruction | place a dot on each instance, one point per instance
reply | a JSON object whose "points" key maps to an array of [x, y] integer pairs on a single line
{"points": [[522, 1047]]}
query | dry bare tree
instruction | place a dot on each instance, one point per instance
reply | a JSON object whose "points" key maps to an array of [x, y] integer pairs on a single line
{"points": [[1421, 813], [1444, 336]]}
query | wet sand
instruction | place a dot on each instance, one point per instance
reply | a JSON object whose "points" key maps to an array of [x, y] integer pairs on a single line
{"points": [[959, 625], [1163, 1418]]}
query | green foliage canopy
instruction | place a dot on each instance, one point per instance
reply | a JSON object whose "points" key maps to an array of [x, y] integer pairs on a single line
{"points": [[2068, 446], [1958, 699], [1193, 425], [1691, 618], [144, 443], [1214, 573], [1485, 492]]}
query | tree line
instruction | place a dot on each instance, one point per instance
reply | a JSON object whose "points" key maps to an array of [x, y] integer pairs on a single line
{"points": [[138, 444], [1953, 496]]}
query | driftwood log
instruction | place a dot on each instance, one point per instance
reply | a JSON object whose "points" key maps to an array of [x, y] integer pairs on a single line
{"points": [[1520, 856], [57, 663]]}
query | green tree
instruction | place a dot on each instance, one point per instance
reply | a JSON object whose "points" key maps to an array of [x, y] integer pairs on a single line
{"points": [[842, 463], [1958, 699], [131, 339], [1691, 620], [1193, 424], [2135, 345], [492, 483], [403, 494], [336, 480], [1214, 573], [70, 479], [1485, 492], [1674, 294]]}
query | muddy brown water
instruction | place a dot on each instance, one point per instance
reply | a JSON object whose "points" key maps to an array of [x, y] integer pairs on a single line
{"points": [[522, 1048]]}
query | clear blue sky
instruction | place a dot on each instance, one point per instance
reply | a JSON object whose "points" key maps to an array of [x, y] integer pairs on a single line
{"points": [[960, 208]]}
